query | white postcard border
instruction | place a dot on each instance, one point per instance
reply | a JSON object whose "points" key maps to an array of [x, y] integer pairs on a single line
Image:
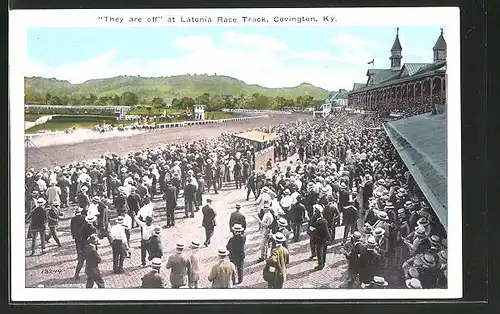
{"points": [[20, 21]]}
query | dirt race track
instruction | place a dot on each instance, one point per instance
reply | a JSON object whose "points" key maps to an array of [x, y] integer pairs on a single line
{"points": [[61, 154]]}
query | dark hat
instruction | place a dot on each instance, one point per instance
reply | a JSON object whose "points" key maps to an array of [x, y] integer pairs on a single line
{"points": [[157, 230], [238, 206], [149, 218]]}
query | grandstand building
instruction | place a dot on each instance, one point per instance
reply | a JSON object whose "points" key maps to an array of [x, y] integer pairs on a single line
{"points": [[415, 87]]}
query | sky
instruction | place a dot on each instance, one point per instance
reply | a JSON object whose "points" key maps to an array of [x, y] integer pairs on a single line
{"points": [[331, 57]]}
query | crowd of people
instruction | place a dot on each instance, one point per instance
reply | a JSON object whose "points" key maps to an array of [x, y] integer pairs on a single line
{"points": [[345, 174]]}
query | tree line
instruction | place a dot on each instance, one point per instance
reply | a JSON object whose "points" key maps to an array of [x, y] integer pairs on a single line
{"points": [[210, 101]]}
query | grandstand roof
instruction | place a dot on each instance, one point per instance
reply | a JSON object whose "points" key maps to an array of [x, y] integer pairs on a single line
{"points": [[421, 141]]}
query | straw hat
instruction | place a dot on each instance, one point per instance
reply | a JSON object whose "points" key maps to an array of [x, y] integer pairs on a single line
{"points": [[90, 219], [41, 201], [378, 232], [282, 222], [96, 199], [157, 230], [222, 252], [156, 262], [435, 240], [423, 222], [84, 188], [356, 235], [238, 228], [379, 281], [93, 238], [443, 256], [428, 260], [279, 237], [413, 283], [194, 244], [367, 228], [179, 246], [383, 216], [413, 272], [120, 219], [420, 231], [371, 242]]}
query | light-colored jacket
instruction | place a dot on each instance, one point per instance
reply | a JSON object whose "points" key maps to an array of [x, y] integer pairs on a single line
{"points": [[194, 269], [223, 274], [179, 265]]}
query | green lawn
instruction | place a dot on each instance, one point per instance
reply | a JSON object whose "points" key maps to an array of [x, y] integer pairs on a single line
{"points": [[62, 123], [155, 111]]}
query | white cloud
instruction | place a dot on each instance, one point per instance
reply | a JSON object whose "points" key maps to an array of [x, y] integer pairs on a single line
{"points": [[270, 63], [344, 40]]}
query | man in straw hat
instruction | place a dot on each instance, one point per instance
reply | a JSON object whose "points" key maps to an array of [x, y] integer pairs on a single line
{"points": [[179, 265], [356, 248], [265, 230], [92, 260], [119, 244], [194, 265], [38, 219], [223, 274], [155, 247], [153, 279], [320, 236], [83, 199], [377, 283], [87, 230], [76, 227], [275, 269], [429, 273], [208, 221], [53, 220], [236, 247], [369, 261]]}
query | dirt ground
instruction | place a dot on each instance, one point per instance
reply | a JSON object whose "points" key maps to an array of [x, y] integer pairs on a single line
{"points": [[65, 148]]}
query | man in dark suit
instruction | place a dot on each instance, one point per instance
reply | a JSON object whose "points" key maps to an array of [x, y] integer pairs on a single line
{"points": [[134, 202], [208, 221], [321, 236], [153, 279], [252, 185], [189, 198], [350, 216], [170, 198], [237, 218], [353, 254], [297, 217], [236, 248], [37, 224], [92, 260], [86, 231], [155, 247]]}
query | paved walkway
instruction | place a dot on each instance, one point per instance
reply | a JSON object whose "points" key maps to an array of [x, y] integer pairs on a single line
{"points": [[56, 268]]}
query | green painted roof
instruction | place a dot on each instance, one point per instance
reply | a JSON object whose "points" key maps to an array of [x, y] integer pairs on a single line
{"points": [[413, 68], [421, 142], [380, 75], [358, 86]]}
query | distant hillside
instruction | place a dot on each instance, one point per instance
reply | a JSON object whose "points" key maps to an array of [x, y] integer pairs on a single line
{"points": [[147, 88]]}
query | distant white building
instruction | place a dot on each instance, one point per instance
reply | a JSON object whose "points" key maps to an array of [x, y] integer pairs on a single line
{"points": [[199, 112]]}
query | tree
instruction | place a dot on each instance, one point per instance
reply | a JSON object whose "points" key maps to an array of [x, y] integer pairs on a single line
{"points": [[176, 103], [129, 99], [55, 101], [187, 102], [157, 101], [47, 98]]}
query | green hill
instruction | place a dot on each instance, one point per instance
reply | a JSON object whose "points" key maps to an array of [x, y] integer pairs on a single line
{"points": [[168, 88]]}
